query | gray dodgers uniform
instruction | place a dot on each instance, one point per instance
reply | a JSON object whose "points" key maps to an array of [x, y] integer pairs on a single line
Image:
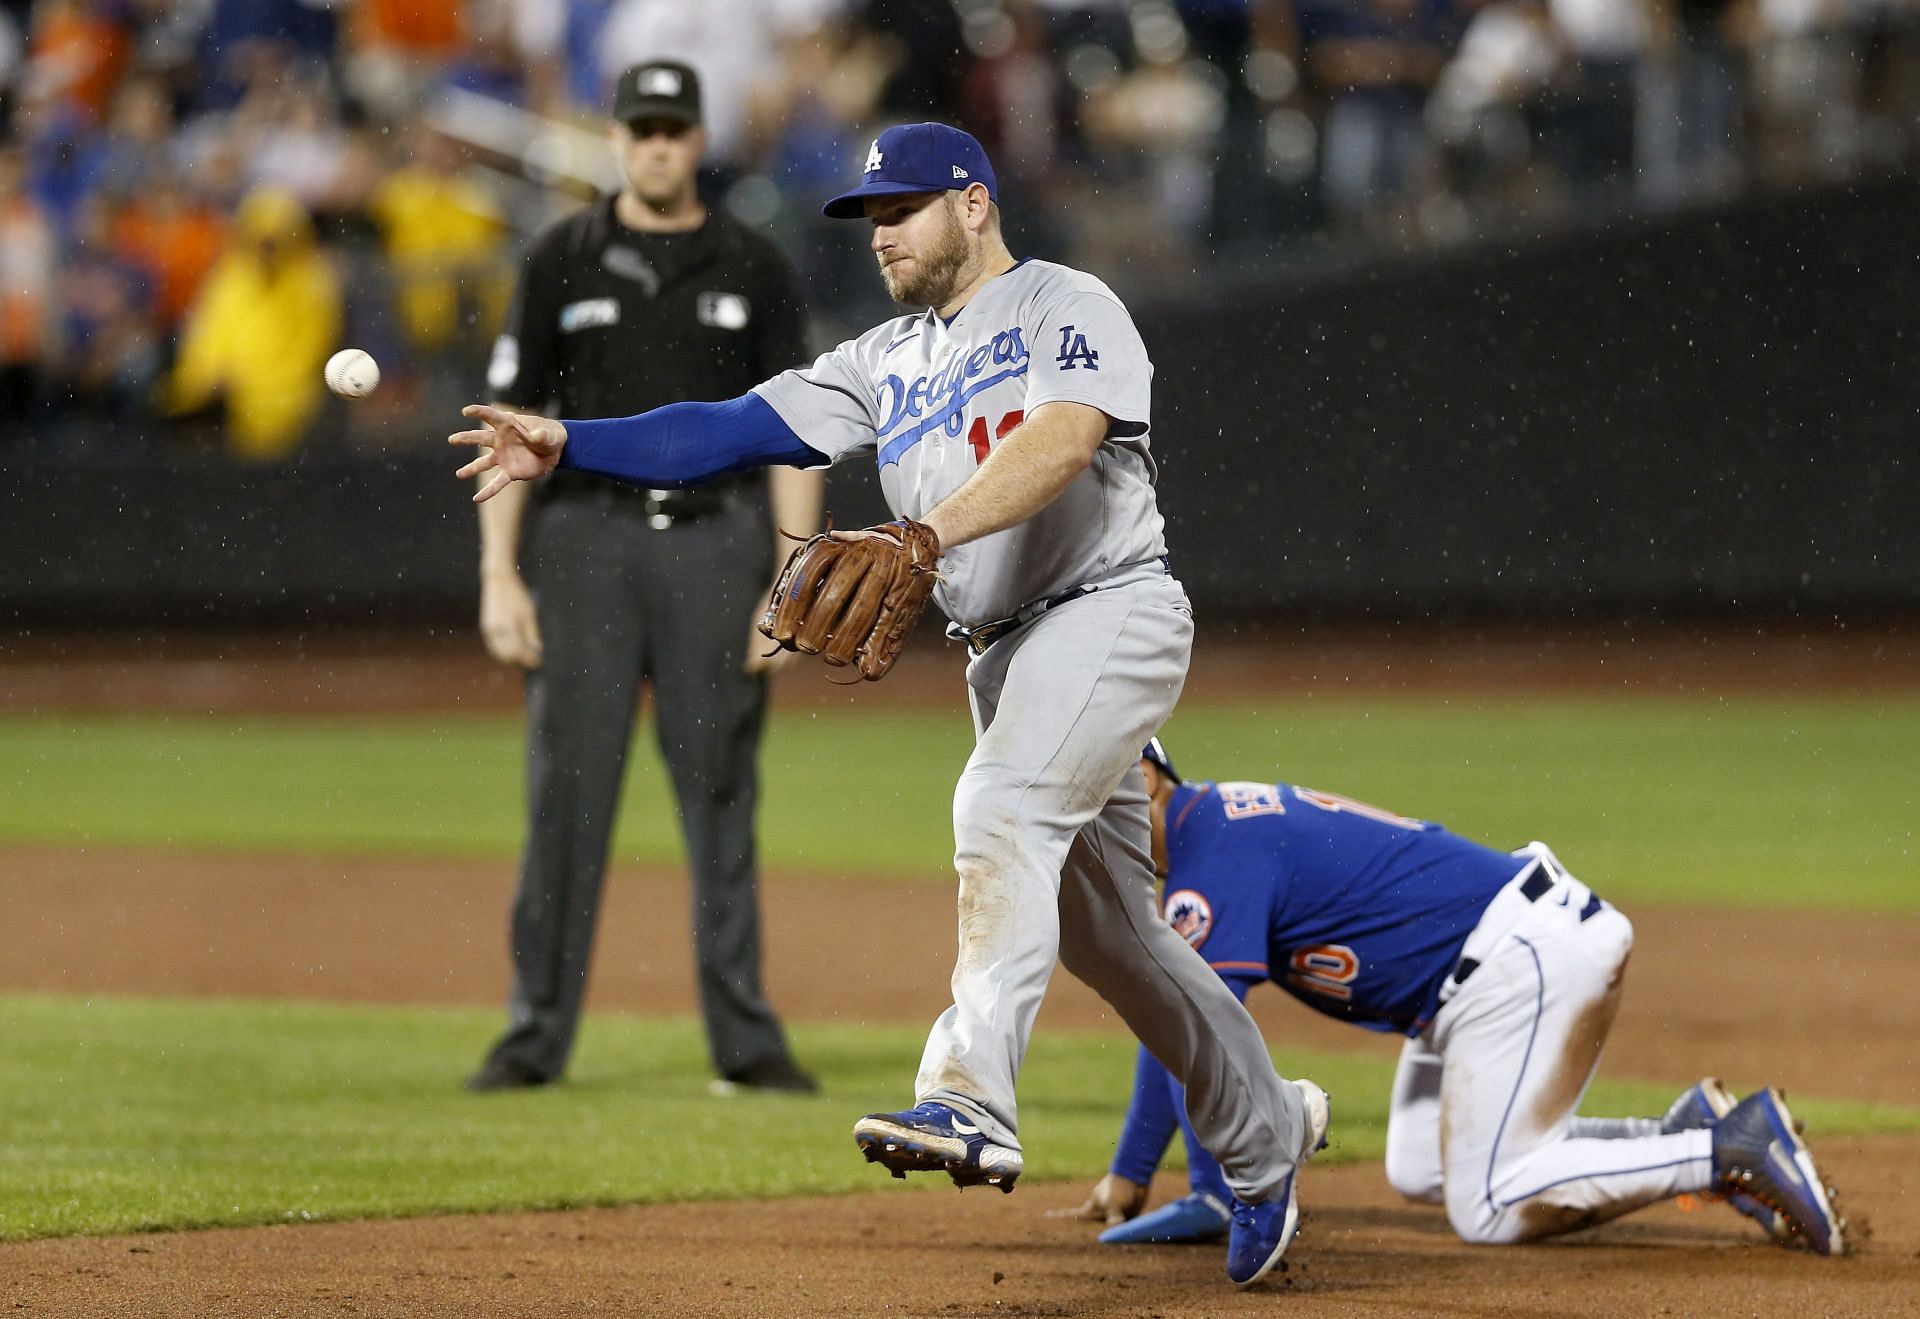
{"points": [[1050, 816]]}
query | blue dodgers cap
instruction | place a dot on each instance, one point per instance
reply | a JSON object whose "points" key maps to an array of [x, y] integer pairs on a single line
{"points": [[916, 158]]}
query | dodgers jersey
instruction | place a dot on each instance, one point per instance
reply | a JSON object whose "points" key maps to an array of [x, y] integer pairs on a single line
{"points": [[931, 398], [1353, 910]]}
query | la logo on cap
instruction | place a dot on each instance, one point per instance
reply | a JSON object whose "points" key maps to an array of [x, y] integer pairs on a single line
{"points": [[659, 82], [873, 156]]}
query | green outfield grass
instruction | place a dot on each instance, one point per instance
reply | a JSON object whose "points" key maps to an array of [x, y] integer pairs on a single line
{"points": [[144, 1114], [1759, 800]]}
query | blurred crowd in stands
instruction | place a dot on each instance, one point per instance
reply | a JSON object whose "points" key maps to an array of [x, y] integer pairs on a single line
{"points": [[201, 199]]}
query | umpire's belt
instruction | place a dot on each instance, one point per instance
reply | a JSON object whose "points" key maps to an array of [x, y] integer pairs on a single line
{"points": [[661, 508], [664, 508], [1540, 877], [979, 638]]}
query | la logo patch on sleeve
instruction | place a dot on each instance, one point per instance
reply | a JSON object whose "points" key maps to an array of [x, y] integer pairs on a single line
{"points": [[1074, 351], [1190, 915]]}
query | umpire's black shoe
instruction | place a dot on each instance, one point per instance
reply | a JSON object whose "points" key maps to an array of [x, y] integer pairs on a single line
{"points": [[781, 1074], [504, 1074]]}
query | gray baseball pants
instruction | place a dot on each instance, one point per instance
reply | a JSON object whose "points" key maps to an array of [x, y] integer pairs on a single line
{"points": [[1052, 852]]}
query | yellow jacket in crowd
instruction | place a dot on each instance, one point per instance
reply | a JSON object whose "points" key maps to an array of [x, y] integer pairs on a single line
{"points": [[442, 234], [261, 331]]}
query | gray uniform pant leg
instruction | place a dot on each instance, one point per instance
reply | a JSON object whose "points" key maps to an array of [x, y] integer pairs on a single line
{"points": [[710, 715], [1050, 863], [580, 714], [1113, 938]]}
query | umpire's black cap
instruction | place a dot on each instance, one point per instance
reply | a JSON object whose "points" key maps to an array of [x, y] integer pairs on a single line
{"points": [[658, 89], [1156, 755]]}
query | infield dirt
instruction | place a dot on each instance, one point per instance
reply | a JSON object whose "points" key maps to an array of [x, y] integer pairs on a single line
{"points": [[1817, 1003], [422, 932]]}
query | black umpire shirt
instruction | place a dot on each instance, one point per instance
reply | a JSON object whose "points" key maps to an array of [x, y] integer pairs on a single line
{"points": [[609, 321]]}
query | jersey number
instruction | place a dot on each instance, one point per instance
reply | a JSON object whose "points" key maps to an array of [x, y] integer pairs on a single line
{"points": [[977, 434], [1327, 969]]}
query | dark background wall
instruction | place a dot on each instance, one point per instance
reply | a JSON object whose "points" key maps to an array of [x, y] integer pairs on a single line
{"points": [[1713, 415], [1716, 413]]}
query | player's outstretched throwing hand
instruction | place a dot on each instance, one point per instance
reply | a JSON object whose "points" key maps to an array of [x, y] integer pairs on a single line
{"points": [[517, 446]]}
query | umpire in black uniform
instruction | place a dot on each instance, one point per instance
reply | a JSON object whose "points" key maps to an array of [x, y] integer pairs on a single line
{"points": [[642, 299]]}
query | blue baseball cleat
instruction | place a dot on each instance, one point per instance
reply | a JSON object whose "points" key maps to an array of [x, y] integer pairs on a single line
{"points": [[1262, 1232], [1197, 1217], [935, 1138], [1699, 1108], [1757, 1152]]}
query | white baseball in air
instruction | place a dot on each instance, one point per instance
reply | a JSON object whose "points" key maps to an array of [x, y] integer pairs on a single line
{"points": [[352, 373]]}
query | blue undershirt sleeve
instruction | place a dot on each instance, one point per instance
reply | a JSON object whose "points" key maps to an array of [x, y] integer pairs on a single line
{"points": [[1150, 1122], [685, 444]]}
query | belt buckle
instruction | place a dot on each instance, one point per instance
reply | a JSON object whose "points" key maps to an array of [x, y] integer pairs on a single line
{"points": [[654, 507]]}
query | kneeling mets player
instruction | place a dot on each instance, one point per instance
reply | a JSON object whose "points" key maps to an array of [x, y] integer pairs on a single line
{"points": [[1501, 969]]}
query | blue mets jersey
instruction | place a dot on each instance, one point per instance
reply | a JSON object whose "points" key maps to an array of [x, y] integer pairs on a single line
{"points": [[1353, 910]]}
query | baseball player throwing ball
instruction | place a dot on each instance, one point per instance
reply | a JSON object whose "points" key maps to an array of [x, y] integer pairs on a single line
{"points": [[1501, 969], [1009, 418]]}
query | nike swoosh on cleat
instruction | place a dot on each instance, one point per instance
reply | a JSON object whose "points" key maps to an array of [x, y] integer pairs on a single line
{"points": [[964, 1127], [1783, 1163]]}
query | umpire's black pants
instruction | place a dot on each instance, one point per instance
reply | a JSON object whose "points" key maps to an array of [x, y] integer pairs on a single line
{"points": [[619, 600]]}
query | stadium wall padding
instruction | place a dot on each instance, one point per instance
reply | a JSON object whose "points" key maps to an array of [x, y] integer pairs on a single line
{"points": [[1718, 413]]}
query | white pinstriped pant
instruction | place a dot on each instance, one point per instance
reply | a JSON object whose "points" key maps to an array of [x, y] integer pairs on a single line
{"points": [[1484, 1099]]}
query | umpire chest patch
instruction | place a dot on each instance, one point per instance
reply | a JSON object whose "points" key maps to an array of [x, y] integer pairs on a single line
{"points": [[589, 313], [724, 311]]}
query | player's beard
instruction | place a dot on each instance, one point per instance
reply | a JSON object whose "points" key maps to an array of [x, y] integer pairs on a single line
{"points": [[935, 272]]}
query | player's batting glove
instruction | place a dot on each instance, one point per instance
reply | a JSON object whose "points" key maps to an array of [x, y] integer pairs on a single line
{"points": [[853, 597]]}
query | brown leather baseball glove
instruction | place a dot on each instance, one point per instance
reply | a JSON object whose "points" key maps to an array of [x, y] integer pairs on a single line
{"points": [[852, 597]]}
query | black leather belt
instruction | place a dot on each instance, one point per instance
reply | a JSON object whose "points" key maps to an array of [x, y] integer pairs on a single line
{"points": [[661, 508], [665, 508], [1533, 888], [979, 638]]}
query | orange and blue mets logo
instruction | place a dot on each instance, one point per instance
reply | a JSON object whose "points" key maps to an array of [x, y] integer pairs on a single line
{"points": [[1190, 916]]}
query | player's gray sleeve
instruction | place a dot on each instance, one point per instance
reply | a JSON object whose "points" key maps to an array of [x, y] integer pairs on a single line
{"points": [[1086, 350], [829, 405]]}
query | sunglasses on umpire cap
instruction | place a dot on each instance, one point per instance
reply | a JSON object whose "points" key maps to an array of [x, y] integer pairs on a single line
{"points": [[911, 158], [1155, 754]]}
